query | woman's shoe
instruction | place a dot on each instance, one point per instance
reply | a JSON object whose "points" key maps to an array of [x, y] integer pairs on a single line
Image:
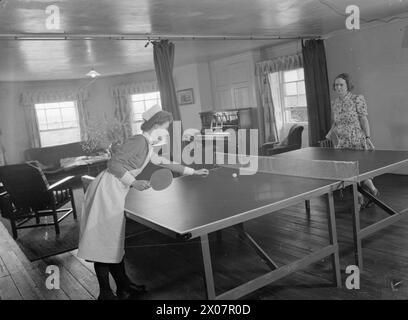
{"points": [[361, 202]]}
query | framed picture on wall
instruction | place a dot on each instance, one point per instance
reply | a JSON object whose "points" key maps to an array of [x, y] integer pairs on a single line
{"points": [[185, 96]]}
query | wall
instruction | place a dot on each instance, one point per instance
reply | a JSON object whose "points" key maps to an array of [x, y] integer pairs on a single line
{"points": [[12, 121], [379, 67], [186, 77]]}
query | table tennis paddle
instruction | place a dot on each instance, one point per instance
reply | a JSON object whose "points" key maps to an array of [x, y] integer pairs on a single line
{"points": [[161, 179]]}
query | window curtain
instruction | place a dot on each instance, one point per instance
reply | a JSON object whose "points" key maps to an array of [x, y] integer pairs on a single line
{"points": [[123, 109], [163, 53], [30, 98], [268, 130], [317, 90]]}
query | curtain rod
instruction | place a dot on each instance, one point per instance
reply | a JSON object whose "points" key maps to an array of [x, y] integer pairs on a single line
{"points": [[142, 37]]}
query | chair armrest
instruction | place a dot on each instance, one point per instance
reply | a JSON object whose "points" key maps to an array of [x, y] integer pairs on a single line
{"points": [[59, 184], [282, 149], [269, 144], [53, 171]]}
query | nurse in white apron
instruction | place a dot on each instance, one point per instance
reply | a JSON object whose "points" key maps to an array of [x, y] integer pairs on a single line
{"points": [[102, 231]]}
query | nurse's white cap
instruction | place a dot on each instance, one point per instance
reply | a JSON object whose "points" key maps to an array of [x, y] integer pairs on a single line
{"points": [[149, 113]]}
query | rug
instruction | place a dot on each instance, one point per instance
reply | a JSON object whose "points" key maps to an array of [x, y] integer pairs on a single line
{"points": [[39, 243]]}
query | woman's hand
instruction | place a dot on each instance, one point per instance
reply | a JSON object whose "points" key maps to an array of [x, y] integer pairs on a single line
{"points": [[201, 172], [370, 145], [141, 185]]}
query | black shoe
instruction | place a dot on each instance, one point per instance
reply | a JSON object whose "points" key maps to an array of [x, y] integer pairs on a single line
{"points": [[107, 295]]}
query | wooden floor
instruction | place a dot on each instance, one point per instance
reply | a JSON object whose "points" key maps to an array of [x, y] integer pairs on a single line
{"points": [[172, 270]]}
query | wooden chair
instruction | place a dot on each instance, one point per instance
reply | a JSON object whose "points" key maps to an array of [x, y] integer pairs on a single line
{"points": [[28, 195]]}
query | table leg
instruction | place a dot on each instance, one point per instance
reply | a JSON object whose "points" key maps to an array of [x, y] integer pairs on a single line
{"points": [[358, 251], [331, 217], [208, 272], [307, 207], [261, 253]]}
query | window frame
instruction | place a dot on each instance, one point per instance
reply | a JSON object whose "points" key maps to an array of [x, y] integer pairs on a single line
{"points": [[282, 98], [133, 113], [48, 130]]}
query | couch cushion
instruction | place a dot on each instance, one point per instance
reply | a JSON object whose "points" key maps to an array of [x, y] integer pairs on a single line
{"points": [[49, 157]]}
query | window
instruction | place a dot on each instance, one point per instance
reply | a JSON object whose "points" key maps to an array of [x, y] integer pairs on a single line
{"points": [[140, 103], [58, 123], [292, 95]]}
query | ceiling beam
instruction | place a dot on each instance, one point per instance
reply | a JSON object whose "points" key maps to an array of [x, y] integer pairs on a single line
{"points": [[144, 37]]}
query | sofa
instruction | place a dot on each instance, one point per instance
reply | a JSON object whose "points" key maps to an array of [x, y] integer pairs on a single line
{"points": [[49, 159]]}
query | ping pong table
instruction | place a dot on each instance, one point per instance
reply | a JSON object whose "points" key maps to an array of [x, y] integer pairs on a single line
{"points": [[193, 207], [371, 164]]}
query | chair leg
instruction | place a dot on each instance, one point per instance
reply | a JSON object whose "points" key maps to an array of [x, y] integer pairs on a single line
{"points": [[37, 218], [13, 228], [55, 216], [71, 193]]}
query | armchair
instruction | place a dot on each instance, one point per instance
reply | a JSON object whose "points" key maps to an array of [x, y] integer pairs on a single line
{"points": [[28, 195], [292, 142]]}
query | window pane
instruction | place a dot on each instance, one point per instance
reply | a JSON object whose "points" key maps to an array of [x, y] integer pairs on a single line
{"points": [[136, 127], [301, 75], [301, 87], [137, 97], [291, 101], [291, 75], [297, 115], [150, 95], [58, 137], [291, 89], [53, 118], [138, 107], [150, 103], [302, 101], [68, 115]]}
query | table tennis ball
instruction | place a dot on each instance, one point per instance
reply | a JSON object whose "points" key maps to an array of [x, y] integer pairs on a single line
{"points": [[234, 175]]}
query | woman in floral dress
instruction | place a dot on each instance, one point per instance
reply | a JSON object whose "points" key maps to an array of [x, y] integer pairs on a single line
{"points": [[350, 129]]}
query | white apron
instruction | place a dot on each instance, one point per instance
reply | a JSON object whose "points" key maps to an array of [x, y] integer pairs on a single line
{"points": [[102, 226]]}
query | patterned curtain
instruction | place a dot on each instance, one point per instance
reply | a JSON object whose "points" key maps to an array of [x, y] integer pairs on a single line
{"points": [[30, 98], [267, 128], [32, 126], [123, 113], [83, 114]]}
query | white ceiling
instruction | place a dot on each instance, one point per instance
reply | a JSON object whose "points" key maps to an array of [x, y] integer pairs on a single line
{"points": [[72, 59]]}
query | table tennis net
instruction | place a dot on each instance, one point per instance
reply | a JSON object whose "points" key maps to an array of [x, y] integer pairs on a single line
{"points": [[318, 169]]}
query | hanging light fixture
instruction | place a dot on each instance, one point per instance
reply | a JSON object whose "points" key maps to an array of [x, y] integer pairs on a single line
{"points": [[93, 74]]}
